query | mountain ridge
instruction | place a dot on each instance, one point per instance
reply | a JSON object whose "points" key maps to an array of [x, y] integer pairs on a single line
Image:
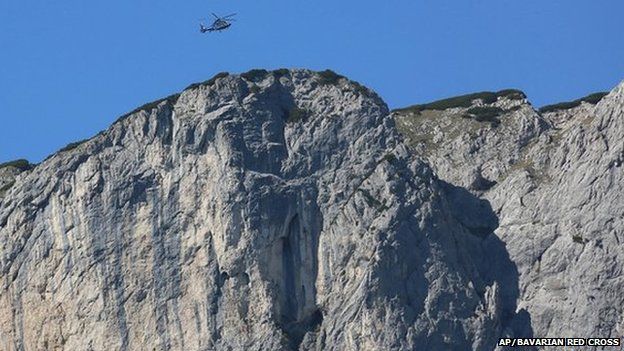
{"points": [[285, 210], [591, 98]]}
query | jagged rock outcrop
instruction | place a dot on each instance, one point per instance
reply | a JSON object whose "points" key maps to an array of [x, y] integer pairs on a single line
{"points": [[268, 211], [555, 181], [472, 140], [9, 171], [283, 211]]}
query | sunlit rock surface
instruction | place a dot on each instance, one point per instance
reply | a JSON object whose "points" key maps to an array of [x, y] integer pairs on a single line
{"points": [[556, 184], [284, 211]]}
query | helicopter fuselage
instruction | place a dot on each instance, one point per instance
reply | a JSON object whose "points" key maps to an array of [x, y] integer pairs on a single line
{"points": [[221, 26], [218, 25], [215, 28]]}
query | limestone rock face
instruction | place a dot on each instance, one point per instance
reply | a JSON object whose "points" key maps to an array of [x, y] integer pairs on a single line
{"points": [[7, 178], [473, 146], [9, 172], [556, 184], [285, 210], [267, 211]]}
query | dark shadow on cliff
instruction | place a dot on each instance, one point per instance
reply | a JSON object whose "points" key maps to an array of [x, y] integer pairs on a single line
{"points": [[299, 313], [491, 257], [291, 263]]}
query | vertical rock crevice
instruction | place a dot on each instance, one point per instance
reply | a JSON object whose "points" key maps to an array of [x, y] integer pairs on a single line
{"points": [[299, 312]]}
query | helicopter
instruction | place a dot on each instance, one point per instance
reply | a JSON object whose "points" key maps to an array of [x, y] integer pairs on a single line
{"points": [[219, 24]]}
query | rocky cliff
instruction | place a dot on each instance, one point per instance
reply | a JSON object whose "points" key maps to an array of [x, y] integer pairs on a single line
{"points": [[9, 171], [555, 181], [285, 210]]}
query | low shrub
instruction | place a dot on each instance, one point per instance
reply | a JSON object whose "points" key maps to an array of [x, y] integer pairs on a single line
{"points": [[255, 75], [281, 72], [21, 164], [512, 94], [465, 101], [485, 114], [328, 77], [591, 99], [595, 97], [296, 114]]}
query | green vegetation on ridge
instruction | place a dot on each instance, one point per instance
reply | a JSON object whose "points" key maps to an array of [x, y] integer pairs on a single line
{"points": [[21, 164], [255, 75], [590, 99], [329, 77], [465, 101]]}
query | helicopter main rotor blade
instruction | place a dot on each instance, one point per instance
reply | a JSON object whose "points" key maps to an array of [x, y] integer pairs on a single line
{"points": [[217, 17], [234, 14]]}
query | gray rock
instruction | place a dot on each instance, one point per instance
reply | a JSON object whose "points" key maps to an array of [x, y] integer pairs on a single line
{"points": [[554, 182], [9, 171], [277, 211], [283, 211]]}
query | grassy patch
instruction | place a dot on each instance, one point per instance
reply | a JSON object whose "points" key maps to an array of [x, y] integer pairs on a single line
{"points": [[282, 72], [255, 75], [21, 164], [296, 114], [465, 101], [595, 97], [591, 99], [485, 114], [254, 89], [328, 77], [578, 239], [512, 94]]}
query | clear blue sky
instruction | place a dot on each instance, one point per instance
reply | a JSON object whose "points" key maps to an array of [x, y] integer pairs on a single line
{"points": [[69, 68]]}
